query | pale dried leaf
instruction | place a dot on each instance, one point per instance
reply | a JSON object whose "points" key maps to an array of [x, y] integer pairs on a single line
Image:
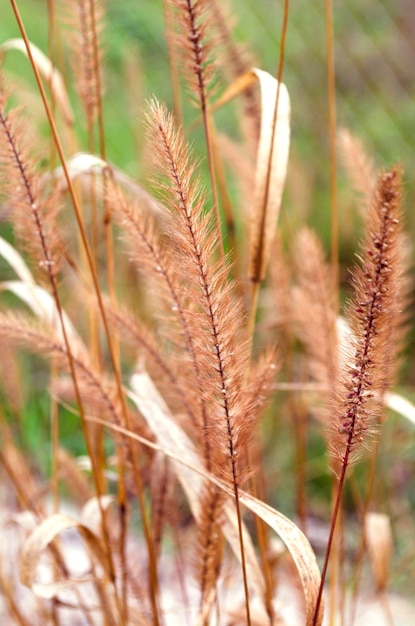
{"points": [[152, 407], [44, 534], [271, 170], [91, 513], [400, 405], [25, 519], [177, 445], [378, 537], [48, 591], [84, 164], [271, 163], [51, 75], [299, 548], [43, 306], [16, 262]]}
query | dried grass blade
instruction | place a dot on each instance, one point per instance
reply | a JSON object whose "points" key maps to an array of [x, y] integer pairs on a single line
{"points": [[176, 444], [44, 307], [44, 534], [241, 84], [16, 262], [299, 548], [271, 170], [51, 75], [188, 466], [378, 537], [271, 164], [84, 164], [400, 405]]}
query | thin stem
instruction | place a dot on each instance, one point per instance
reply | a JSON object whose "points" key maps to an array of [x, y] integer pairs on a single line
{"points": [[331, 80], [258, 269], [153, 582], [194, 37], [331, 536]]}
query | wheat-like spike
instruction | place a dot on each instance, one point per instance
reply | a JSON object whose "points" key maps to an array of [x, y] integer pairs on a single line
{"points": [[210, 546], [195, 49], [373, 320], [237, 60], [163, 367], [84, 18], [373, 316], [314, 307], [359, 166], [194, 45], [217, 314], [19, 330], [157, 261], [32, 210], [161, 492]]}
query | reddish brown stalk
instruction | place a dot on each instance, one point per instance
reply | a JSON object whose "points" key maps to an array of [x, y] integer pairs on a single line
{"points": [[155, 259], [196, 54], [256, 279], [215, 315], [153, 582], [331, 94], [173, 58], [237, 63], [210, 546], [258, 270], [95, 16], [29, 202], [357, 404]]}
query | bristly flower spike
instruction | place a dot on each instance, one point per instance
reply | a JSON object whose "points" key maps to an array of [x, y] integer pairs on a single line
{"points": [[195, 50], [373, 317]]}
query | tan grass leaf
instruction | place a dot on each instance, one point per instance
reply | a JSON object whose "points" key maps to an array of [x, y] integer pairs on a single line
{"points": [[271, 170], [44, 534], [26, 520], [152, 407], [49, 591], [299, 548], [91, 512], [271, 164], [378, 537], [176, 444], [400, 405], [241, 84], [51, 75], [16, 262], [43, 306], [84, 164]]}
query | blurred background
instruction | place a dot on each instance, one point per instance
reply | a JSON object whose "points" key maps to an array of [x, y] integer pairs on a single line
{"points": [[375, 72]]}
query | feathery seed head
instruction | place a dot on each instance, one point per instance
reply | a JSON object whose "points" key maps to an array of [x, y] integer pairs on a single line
{"points": [[374, 320]]}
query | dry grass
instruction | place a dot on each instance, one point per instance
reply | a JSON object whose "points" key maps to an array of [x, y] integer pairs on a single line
{"points": [[190, 345]]}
